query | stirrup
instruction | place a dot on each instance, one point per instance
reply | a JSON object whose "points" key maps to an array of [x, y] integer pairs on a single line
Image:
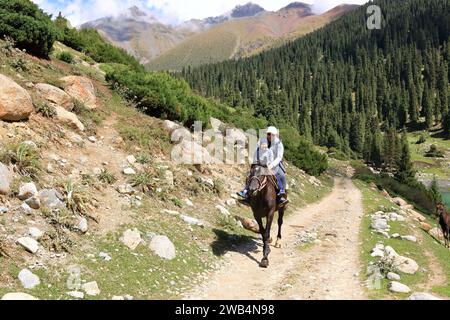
{"points": [[282, 202]]}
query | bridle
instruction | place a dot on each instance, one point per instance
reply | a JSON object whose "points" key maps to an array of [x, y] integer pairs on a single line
{"points": [[262, 184]]}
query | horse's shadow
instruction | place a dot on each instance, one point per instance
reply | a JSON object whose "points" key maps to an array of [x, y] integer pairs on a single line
{"points": [[226, 242]]}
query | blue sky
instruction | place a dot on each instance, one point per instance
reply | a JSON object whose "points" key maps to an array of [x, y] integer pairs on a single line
{"points": [[168, 11]]}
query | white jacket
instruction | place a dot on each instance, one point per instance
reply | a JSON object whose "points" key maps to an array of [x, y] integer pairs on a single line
{"points": [[277, 149]]}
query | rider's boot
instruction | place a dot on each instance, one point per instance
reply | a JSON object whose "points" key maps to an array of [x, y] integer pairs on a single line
{"points": [[281, 198], [244, 197]]}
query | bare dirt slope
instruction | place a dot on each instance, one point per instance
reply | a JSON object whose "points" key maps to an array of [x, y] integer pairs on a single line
{"points": [[325, 269]]}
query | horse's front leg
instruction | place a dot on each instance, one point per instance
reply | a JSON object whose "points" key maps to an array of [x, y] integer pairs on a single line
{"points": [[280, 224], [266, 238]]}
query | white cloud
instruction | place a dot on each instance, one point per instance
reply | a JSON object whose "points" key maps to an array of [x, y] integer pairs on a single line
{"points": [[169, 11]]}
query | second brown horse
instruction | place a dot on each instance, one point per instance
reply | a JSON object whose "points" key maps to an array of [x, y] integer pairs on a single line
{"points": [[444, 222]]}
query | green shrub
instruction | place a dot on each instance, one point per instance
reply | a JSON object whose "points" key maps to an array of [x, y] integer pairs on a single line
{"points": [[308, 159], [414, 192], [337, 154], [28, 26], [434, 152], [422, 139], [20, 64], [66, 57], [95, 47]]}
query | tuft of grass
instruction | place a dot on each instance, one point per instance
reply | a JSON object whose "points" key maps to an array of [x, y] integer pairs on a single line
{"points": [[90, 118], [75, 198], [142, 180], [143, 158], [107, 177], [24, 157], [45, 109]]}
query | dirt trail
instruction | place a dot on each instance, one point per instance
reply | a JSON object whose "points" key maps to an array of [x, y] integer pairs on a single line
{"points": [[325, 270]]}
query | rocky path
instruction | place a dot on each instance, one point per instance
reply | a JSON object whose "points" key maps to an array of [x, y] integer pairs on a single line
{"points": [[326, 268]]}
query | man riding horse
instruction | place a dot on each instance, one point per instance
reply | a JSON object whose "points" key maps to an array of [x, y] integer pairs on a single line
{"points": [[270, 152]]}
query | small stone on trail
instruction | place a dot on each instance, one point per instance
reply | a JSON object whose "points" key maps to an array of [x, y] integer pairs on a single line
{"points": [[129, 171]]}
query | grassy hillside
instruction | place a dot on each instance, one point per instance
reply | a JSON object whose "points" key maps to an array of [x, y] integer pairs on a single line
{"points": [[431, 256], [218, 44]]}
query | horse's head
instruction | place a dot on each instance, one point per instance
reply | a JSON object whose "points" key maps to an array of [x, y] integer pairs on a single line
{"points": [[440, 209], [257, 179]]}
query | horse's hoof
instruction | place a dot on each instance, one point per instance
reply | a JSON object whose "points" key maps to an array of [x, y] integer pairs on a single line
{"points": [[264, 263], [278, 244]]}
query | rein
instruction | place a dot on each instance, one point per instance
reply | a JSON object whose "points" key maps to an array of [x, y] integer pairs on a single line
{"points": [[263, 182]]}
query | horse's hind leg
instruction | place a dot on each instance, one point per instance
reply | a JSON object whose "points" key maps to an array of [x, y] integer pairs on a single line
{"points": [[278, 244]]}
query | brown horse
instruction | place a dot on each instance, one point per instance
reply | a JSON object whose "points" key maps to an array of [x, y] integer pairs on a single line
{"points": [[262, 188], [444, 222]]}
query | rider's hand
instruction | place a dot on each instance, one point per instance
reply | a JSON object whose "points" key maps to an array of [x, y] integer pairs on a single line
{"points": [[270, 166]]}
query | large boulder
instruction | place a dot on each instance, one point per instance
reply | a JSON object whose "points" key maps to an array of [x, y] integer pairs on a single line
{"points": [[15, 102], [190, 152], [5, 179], [234, 136], [68, 118], [54, 95], [170, 126], [81, 89], [163, 247], [216, 124], [401, 263]]}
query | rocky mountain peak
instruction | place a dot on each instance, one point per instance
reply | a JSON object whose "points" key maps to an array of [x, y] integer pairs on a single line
{"points": [[247, 10]]}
